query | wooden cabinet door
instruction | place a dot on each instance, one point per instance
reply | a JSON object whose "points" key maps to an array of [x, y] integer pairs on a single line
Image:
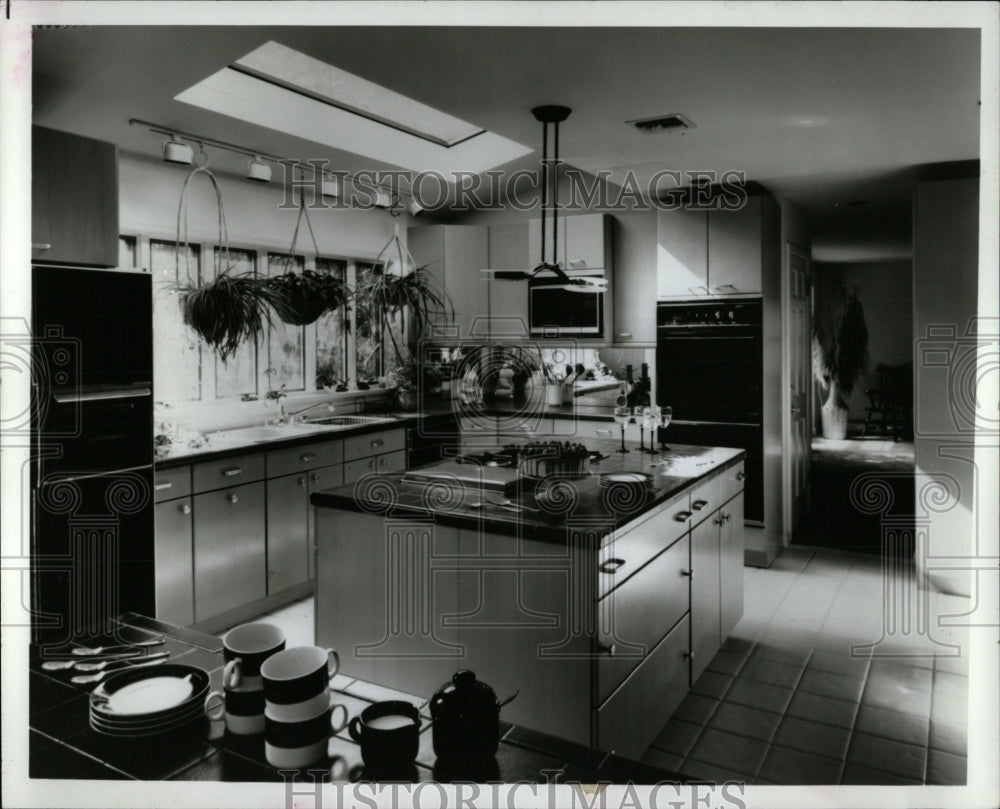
{"points": [[287, 532], [535, 241], [229, 549], [587, 241], [704, 594], [731, 566], [734, 249], [635, 278], [508, 300], [326, 477], [465, 254], [174, 561], [682, 253], [74, 199]]}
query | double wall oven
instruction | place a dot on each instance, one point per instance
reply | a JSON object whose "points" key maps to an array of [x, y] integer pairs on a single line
{"points": [[709, 369]]}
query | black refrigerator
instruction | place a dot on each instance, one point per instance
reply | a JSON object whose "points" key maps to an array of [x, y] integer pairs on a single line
{"points": [[92, 451]]}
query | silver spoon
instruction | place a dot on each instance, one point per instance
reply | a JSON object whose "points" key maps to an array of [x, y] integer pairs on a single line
{"points": [[96, 650], [96, 678], [58, 665], [108, 664]]}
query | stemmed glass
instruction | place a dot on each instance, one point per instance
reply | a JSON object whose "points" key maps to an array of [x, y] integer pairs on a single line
{"points": [[666, 413], [653, 418], [623, 415]]}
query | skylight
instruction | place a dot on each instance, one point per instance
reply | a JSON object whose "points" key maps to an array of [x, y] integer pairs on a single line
{"points": [[288, 91]]}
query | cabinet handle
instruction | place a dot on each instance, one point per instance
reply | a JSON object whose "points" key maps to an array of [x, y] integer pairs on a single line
{"points": [[688, 573], [232, 472], [233, 498], [382, 462], [185, 509], [698, 505], [682, 516], [301, 481], [624, 335], [719, 520], [727, 517], [689, 655], [309, 456], [378, 442], [315, 477], [40, 246], [611, 565], [607, 648], [577, 262], [741, 475], [166, 484]]}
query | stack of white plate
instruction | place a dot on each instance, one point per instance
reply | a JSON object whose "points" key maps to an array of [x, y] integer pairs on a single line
{"points": [[147, 701]]}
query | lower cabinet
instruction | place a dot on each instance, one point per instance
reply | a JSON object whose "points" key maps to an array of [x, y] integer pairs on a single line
{"points": [[287, 531], [229, 549], [174, 562], [326, 477], [731, 545], [705, 608]]}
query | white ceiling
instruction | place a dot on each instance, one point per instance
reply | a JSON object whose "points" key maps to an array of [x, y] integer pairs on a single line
{"points": [[825, 117]]}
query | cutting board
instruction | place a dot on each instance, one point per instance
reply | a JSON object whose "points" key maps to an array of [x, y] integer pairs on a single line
{"points": [[470, 476]]}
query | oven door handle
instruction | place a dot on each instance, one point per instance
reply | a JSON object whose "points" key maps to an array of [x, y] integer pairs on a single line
{"points": [[101, 396]]}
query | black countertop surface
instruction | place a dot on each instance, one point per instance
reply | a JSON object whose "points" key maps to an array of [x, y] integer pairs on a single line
{"points": [[449, 500], [63, 745]]}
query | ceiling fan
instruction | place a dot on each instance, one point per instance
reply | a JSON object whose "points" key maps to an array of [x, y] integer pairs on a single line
{"points": [[551, 114]]}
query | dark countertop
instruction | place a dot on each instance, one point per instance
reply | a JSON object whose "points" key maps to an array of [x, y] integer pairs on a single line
{"points": [[62, 744], [449, 502]]}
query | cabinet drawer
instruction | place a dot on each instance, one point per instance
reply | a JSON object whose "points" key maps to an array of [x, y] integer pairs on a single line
{"points": [[390, 462], [624, 555], [706, 499], [634, 715], [230, 472], [171, 483], [308, 456], [733, 479], [363, 446], [634, 617]]}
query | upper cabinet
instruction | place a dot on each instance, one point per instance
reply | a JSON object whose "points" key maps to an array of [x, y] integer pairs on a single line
{"points": [[74, 199], [584, 242], [508, 300], [455, 256], [635, 278], [717, 253]]}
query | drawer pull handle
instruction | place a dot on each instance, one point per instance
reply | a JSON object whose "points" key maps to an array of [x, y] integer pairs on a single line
{"points": [[682, 516], [301, 481], [719, 520], [611, 565], [698, 505], [727, 517], [315, 477], [309, 456], [382, 462], [623, 335], [378, 442], [232, 472], [41, 246], [688, 573], [741, 475], [607, 648], [689, 655], [185, 509], [577, 262], [233, 498], [163, 484]]}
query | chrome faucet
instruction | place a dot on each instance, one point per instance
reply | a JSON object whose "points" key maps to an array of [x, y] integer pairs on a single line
{"points": [[291, 416]]}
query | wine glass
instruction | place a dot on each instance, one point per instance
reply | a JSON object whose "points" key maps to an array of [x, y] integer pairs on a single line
{"points": [[654, 414], [623, 415], [666, 413], [638, 411]]}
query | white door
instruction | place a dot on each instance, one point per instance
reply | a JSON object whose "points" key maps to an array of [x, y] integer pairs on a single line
{"points": [[795, 386]]}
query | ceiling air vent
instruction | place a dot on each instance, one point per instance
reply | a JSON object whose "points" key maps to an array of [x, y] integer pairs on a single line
{"points": [[670, 123]]}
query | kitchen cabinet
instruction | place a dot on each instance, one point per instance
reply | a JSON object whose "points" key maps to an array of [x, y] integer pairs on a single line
{"points": [[508, 300], [229, 548], [174, 546], [731, 546], [325, 477], [635, 279], [74, 199], [716, 252], [584, 242], [382, 452], [454, 255]]}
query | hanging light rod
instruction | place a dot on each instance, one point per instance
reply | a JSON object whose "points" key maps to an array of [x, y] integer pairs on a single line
{"points": [[257, 156]]}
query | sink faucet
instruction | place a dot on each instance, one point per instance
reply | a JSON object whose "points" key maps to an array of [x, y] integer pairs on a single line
{"points": [[279, 397], [291, 416]]}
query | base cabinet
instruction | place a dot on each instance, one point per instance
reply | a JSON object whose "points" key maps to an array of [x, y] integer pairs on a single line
{"points": [[705, 608], [731, 546], [174, 551], [287, 531]]}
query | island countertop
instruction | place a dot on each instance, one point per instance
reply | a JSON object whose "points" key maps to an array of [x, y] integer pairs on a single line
{"points": [[451, 500]]}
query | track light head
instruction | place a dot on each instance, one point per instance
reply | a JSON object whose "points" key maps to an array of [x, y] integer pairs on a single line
{"points": [[258, 171], [177, 151]]}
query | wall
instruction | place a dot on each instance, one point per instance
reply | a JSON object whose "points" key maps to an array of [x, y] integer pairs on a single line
{"points": [[885, 289]]}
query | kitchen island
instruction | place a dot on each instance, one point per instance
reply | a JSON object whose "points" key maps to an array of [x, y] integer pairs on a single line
{"points": [[598, 605]]}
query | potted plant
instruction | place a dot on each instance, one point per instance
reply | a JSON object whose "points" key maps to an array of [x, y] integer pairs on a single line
{"points": [[839, 356]]}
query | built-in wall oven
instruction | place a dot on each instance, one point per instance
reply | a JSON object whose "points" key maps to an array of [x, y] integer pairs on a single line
{"points": [[554, 310], [709, 369]]}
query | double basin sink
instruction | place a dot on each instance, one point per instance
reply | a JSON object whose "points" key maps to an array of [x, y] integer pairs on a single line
{"points": [[277, 432]]}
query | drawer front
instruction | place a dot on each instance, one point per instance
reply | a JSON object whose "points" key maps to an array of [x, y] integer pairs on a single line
{"points": [[634, 617], [231, 472], [381, 464], [733, 480], [363, 446], [706, 499], [308, 456], [635, 713], [171, 483], [625, 554]]}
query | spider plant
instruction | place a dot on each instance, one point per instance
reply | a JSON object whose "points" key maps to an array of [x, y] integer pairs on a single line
{"points": [[301, 298], [228, 311]]}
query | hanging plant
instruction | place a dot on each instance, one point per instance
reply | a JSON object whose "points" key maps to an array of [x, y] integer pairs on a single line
{"points": [[300, 298], [231, 308]]}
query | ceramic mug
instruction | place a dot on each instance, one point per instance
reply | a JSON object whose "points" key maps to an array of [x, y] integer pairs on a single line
{"points": [[243, 710], [245, 648], [389, 734], [298, 674], [298, 744]]}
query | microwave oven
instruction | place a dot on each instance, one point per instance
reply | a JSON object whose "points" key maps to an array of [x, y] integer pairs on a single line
{"points": [[556, 311]]}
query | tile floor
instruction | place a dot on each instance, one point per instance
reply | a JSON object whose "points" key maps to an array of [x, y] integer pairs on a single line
{"points": [[786, 702]]}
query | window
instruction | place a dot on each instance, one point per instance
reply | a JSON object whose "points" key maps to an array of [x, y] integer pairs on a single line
{"points": [[237, 375], [375, 348], [176, 348], [331, 333], [286, 343]]}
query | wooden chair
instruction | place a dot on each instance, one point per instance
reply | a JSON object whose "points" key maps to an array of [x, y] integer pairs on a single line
{"points": [[892, 402]]}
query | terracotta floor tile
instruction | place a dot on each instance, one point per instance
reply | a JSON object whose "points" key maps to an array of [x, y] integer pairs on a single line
{"points": [[907, 760], [823, 709], [785, 766], [695, 709], [737, 753], [902, 727], [813, 737], [712, 684], [949, 737], [771, 671], [668, 761], [677, 737], [897, 697], [759, 695], [726, 663], [828, 684], [745, 721], [945, 768]]}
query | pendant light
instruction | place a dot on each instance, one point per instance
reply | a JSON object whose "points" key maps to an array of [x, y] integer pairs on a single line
{"points": [[551, 115]]}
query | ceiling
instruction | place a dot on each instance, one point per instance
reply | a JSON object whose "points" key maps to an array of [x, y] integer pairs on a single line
{"points": [[833, 119]]}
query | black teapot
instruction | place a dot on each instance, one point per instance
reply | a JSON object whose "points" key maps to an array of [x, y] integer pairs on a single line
{"points": [[466, 716]]}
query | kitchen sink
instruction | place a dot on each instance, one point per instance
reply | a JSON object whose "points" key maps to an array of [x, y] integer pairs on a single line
{"points": [[349, 421], [261, 433]]}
